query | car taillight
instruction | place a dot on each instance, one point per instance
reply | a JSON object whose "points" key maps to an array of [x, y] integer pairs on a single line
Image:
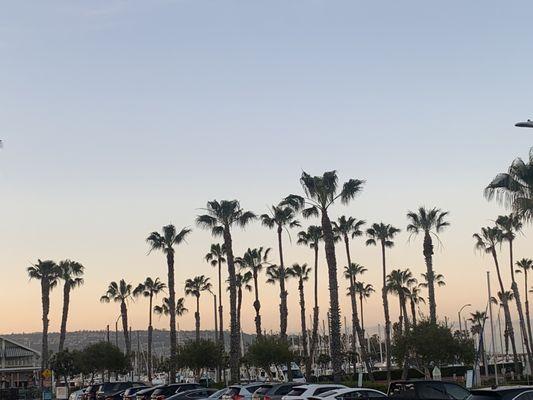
{"points": [[237, 397], [160, 397], [267, 398]]}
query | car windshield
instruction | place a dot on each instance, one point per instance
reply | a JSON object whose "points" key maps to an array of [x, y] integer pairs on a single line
{"points": [[263, 390], [218, 394], [327, 394], [297, 391]]}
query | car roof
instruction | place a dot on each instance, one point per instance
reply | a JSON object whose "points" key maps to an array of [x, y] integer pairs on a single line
{"points": [[502, 389]]}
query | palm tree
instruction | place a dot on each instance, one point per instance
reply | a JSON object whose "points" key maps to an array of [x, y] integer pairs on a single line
{"points": [[165, 242], [254, 260], [364, 290], [478, 319], [438, 279], [281, 217], [243, 282], [384, 234], [164, 310], [195, 287], [310, 238], [70, 272], [415, 298], [525, 265], [398, 283], [216, 258], [429, 222], [149, 288], [321, 192], [301, 272], [220, 217], [120, 293], [486, 241], [48, 273], [515, 187], [499, 300], [350, 272], [509, 226]]}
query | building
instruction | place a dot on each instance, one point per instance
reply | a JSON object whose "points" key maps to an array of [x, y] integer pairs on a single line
{"points": [[19, 365]]}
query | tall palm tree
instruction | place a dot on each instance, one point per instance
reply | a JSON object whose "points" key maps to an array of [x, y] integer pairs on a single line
{"points": [[383, 234], [219, 218], [165, 242], [163, 309], [525, 265], [47, 272], [301, 272], [429, 222], [242, 281], [281, 217], [216, 257], [195, 287], [515, 187], [398, 283], [478, 319], [438, 279], [510, 225], [364, 290], [71, 273], [415, 299], [486, 241], [321, 192], [149, 288], [350, 273], [120, 293], [254, 260], [311, 237], [507, 296]]}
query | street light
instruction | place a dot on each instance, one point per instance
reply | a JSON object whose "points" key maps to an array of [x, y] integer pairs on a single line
{"points": [[527, 124], [459, 315]]}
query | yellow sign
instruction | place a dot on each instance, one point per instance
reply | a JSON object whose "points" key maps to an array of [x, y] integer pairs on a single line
{"points": [[46, 373]]}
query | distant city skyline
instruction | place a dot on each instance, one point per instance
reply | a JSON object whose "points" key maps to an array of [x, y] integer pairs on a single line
{"points": [[120, 117]]}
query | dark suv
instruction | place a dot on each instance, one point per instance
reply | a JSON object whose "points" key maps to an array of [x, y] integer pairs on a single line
{"points": [[426, 390], [503, 393], [110, 388], [162, 392]]}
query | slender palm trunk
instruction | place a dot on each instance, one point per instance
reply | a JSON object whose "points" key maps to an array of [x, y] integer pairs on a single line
{"points": [[516, 292], [172, 313], [220, 308], [384, 295], [215, 316], [197, 319], [257, 306], [64, 316], [45, 300], [127, 341], [404, 312], [362, 316], [413, 311], [307, 358], [314, 340], [400, 318], [150, 336], [234, 326], [239, 309], [334, 312], [428, 257], [528, 319], [507, 312], [284, 313]]}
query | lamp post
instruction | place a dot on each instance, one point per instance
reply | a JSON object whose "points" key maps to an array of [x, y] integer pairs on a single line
{"points": [[459, 315]]}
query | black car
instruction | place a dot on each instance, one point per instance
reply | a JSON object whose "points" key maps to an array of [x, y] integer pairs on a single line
{"points": [[427, 390], [145, 394], [193, 394], [503, 393], [165, 391], [111, 388], [90, 392], [115, 396], [274, 391], [131, 393]]}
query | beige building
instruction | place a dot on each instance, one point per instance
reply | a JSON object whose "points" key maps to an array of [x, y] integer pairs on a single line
{"points": [[19, 365]]}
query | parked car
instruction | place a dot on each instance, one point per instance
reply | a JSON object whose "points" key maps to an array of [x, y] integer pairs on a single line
{"points": [[503, 393], [218, 394], [165, 391], [90, 392], [242, 392], [145, 394], [77, 395], [350, 394], [427, 390], [115, 396], [131, 393], [274, 391], [112, 388], [193, 394], [303, 392]]}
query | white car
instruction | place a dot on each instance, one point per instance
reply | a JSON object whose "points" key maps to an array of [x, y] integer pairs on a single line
{"points": [[350, 394], [304, 392]]}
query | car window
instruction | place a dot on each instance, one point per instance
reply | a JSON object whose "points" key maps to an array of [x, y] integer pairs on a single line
{"points": [[370, 394], [324, 389], [457, 392], [431, 391], [525, 396], [283, 390], [402, 390]]}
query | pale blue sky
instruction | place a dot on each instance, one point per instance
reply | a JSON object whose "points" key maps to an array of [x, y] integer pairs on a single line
{"points": [[120, 116]]}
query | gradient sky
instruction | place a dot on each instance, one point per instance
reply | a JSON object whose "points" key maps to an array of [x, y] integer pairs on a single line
{"points": [[119, 117]]}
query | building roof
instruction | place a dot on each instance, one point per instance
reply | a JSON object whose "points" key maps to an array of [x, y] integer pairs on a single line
{"points": [[18, 350]]}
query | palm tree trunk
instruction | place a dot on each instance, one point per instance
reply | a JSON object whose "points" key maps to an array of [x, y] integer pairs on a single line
{"points": [[234, 327], [239, 308], [124, 314], [64, 316], [314, 340], [45, 300], [386, 312], [172, 313], [362, 316], [197, 319], [220, 308], [413, 311], [508, 321], [404, 312], [257, 306], [334, 312], [307, 358], [528, 319], [428, 257], [150, 335], [283, 293]]}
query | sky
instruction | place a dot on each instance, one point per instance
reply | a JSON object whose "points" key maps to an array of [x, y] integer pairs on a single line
{"points": [[119, 117]]}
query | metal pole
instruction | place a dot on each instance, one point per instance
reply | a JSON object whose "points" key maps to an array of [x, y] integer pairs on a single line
{"points": [[492, 332]]}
